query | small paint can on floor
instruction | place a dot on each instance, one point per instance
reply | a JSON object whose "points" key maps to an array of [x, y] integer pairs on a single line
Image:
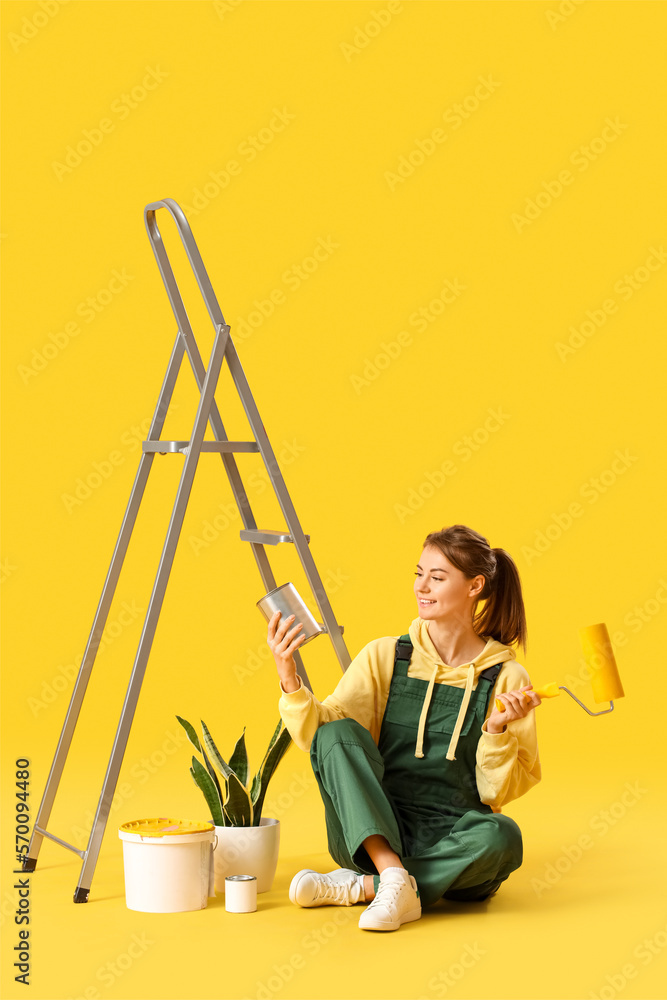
{"points": [[241, 893]]}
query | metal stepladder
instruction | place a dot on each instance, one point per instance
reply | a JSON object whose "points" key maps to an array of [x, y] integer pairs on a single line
{"points": [[207, 411]]}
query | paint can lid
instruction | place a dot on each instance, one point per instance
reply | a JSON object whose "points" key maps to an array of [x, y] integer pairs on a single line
{"points": [[164, 826]]}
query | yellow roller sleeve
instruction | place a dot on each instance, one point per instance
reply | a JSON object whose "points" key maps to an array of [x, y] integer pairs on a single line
{"points": [[599, 656]]}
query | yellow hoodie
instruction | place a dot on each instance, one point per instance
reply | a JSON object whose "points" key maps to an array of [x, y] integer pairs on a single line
{"points": [[507, 763]]}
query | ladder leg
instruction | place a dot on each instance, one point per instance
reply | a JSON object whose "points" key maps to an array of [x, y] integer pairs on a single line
{"points": [[101, 615], [231, 468], [152, 616], [289, 512]]}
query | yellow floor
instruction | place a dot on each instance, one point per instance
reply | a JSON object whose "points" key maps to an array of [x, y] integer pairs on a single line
{"points": [[565, 925]]}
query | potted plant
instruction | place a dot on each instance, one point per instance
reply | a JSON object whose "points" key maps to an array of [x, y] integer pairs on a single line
{"points": [[247, 842]]}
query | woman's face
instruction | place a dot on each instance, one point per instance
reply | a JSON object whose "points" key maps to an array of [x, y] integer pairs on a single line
{"points": [[445, 591]]}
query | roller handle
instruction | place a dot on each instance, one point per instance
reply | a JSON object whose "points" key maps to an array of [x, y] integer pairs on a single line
{"points": [[548, 691]]}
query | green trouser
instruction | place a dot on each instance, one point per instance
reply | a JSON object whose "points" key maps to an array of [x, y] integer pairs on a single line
{"points": [[428, 808]]}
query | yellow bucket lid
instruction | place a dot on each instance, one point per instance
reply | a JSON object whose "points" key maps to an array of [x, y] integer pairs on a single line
{"points": [[164, 826]]}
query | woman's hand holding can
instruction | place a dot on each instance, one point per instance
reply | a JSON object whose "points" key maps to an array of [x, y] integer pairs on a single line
{"points": [[282, 644]]}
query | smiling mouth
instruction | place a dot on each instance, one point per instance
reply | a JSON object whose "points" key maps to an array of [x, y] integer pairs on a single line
{"points": [[423, 601]]}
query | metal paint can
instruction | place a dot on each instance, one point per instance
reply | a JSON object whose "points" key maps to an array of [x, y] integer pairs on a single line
{"points": [[241, 893], [287, 600]]}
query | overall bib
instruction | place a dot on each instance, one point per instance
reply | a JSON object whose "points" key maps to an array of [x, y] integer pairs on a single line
{"points": [[428, 808]]}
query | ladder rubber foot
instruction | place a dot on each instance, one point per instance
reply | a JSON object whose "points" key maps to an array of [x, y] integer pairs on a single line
{"points": [[81, 894], [29, 864]]}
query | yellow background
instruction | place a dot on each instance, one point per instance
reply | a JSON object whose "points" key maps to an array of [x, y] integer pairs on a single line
{"points": [[362, 88]]}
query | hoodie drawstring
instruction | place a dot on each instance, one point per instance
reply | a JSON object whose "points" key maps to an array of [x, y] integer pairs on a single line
{"points": [[422, 717], [462, 711], [459, 719]]}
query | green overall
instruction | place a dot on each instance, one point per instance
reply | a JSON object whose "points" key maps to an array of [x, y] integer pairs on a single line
{"points": [[428, 808]]}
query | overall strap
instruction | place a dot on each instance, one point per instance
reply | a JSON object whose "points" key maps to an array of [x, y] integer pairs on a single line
{"points": [[402, 655], [491, 674]]}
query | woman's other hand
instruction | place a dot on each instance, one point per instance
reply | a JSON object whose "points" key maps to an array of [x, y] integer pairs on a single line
{"points": [[516, 707]]}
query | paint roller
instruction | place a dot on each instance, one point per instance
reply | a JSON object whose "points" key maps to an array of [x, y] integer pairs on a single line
{"points": [[599, 657]]}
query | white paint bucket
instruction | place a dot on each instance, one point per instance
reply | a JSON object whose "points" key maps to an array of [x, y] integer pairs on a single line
{"points": [[168, 864]]}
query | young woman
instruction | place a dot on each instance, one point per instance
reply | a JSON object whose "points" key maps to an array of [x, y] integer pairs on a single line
{"points": [[412, 758]]}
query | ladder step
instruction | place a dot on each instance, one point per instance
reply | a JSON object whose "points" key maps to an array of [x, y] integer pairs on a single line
{"points": [[267, 537], [63, 843], [164, 447]]}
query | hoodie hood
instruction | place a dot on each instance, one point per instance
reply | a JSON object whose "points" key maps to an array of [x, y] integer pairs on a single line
{"points": [[427, 665]]}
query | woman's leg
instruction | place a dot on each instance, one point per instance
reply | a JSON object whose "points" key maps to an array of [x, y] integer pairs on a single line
{"points": [[480, 851], [349, 768], [382, 856]]}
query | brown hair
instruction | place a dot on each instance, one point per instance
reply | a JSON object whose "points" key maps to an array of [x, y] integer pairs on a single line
{"points": [[503, 616]]}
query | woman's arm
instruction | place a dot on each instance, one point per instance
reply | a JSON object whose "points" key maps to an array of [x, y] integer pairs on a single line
{"points": [[360, 694], [508, 761]]}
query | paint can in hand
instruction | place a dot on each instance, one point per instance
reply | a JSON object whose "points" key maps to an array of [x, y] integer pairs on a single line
{"points": [[287, 600]]}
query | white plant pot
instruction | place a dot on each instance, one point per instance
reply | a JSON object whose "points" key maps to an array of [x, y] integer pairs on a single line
{"points": [[247, 850]]}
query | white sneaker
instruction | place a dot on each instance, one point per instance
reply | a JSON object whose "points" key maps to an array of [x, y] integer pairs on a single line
{"points": [[341, 887], [396, 902]]}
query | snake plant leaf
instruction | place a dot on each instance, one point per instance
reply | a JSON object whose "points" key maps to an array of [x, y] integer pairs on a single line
{"points": [[204, 782], [192, 735], [216, 756], [211, 771], [238, 806], [257, 780], [239, 759], [280, 742]]}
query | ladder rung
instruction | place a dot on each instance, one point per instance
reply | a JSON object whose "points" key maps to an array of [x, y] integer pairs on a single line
{"points": [[267, 537], [63, 843], [163, 447]]}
